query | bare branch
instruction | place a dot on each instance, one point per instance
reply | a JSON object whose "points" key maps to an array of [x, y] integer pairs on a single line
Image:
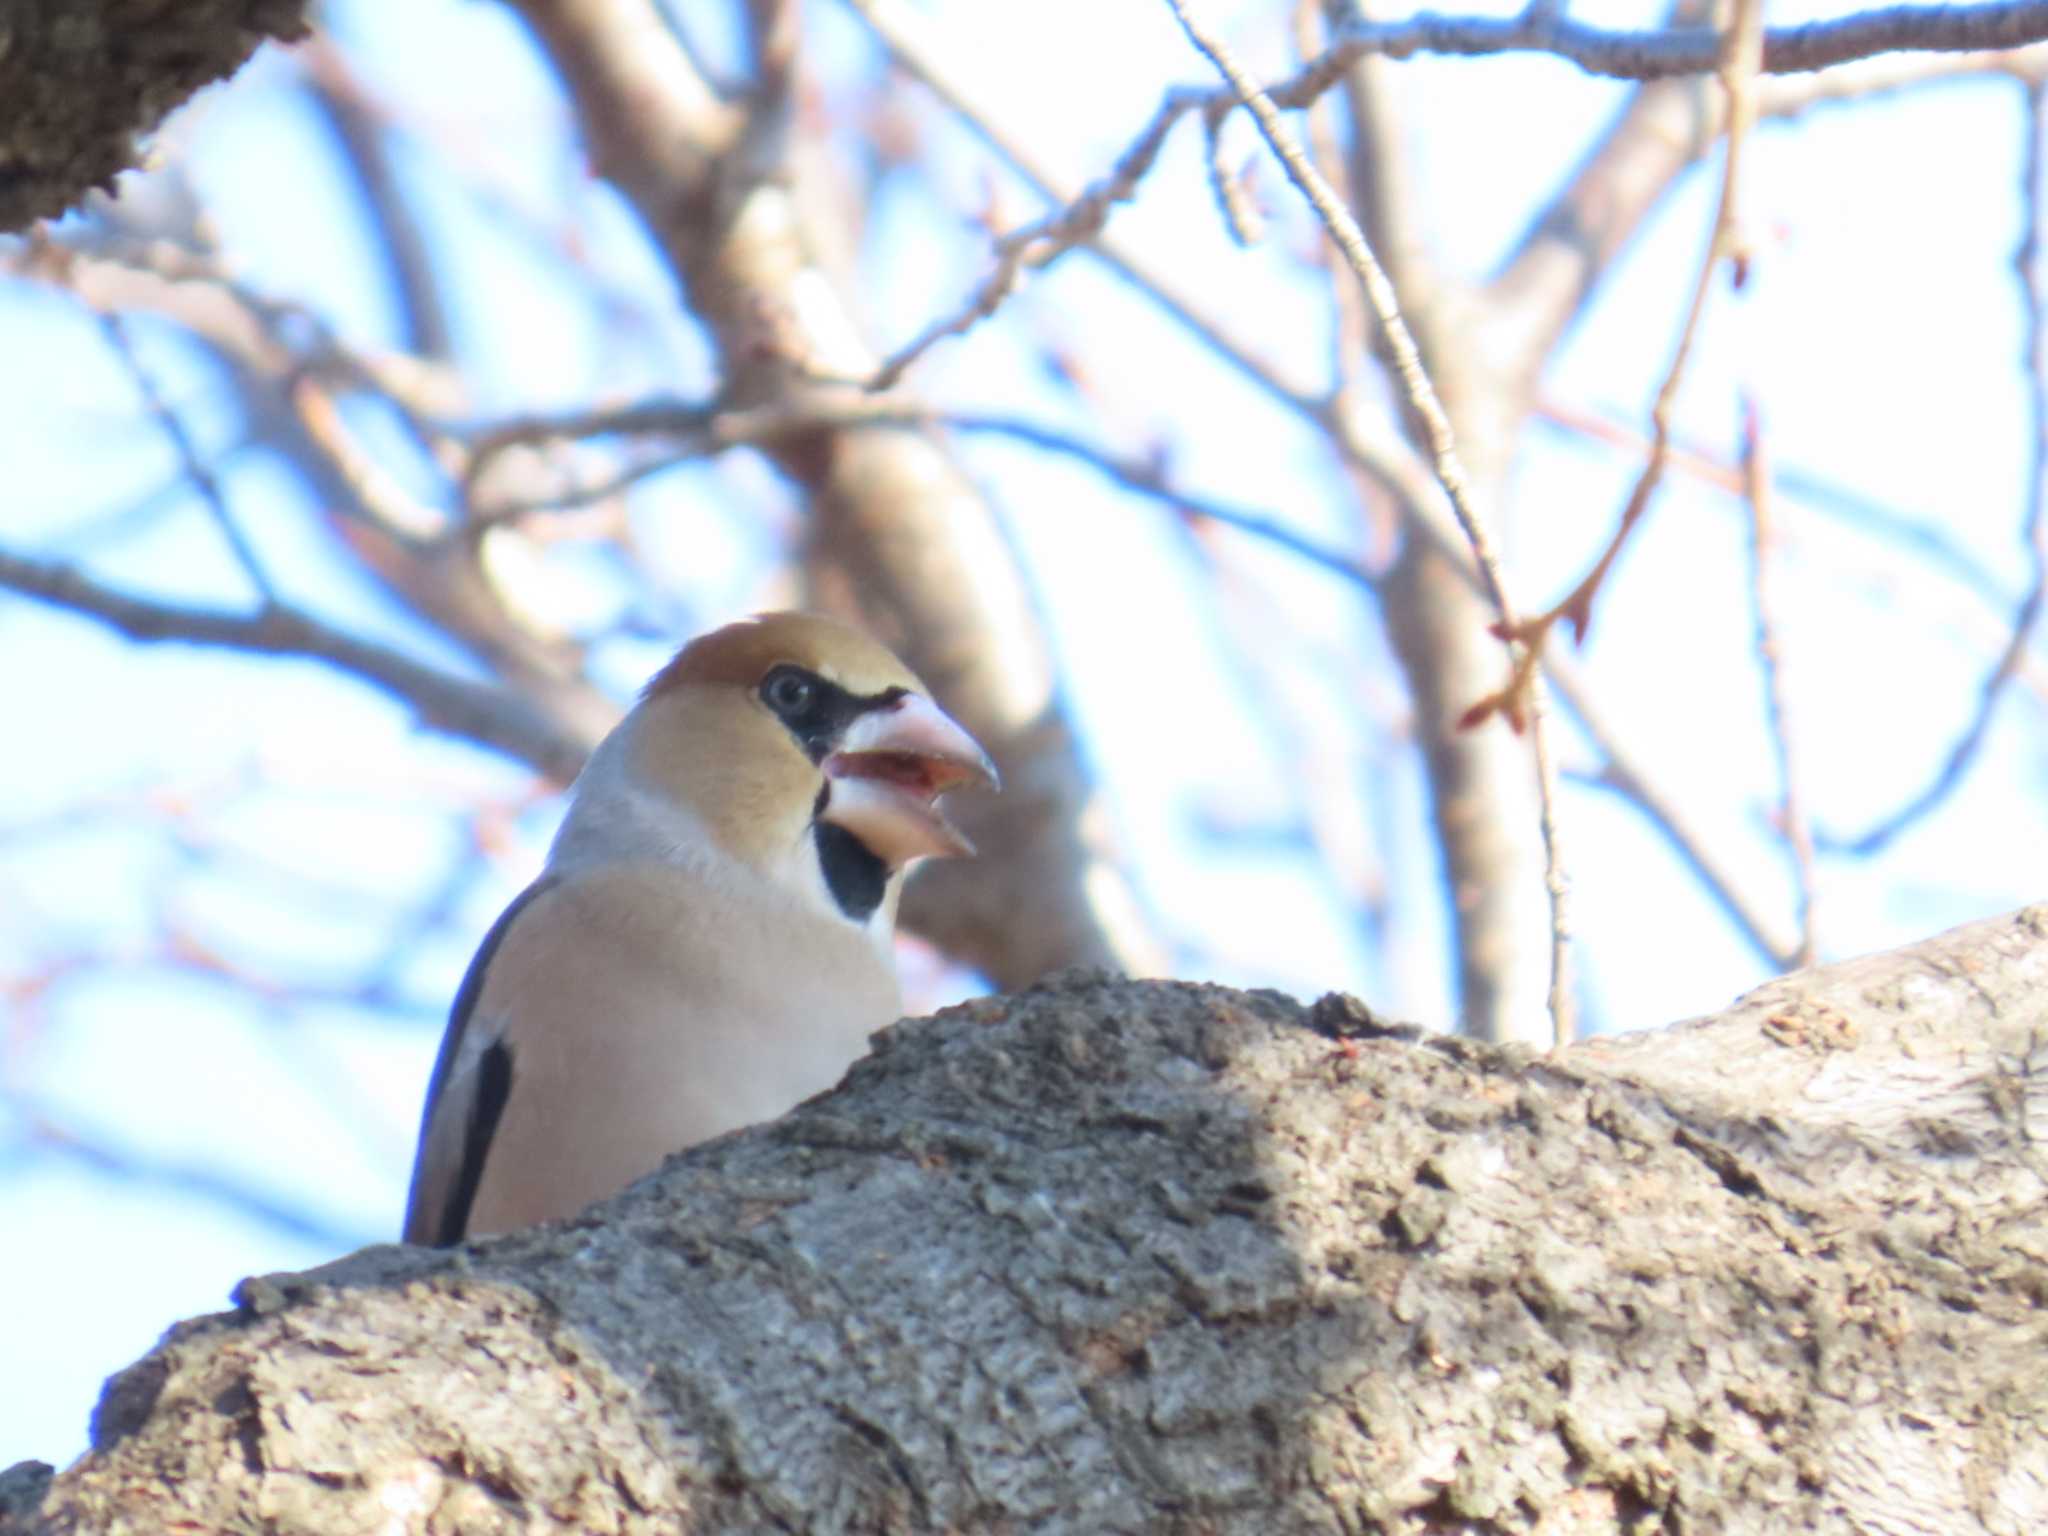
{"points": [[1081, 217], [1421, 396], [1660, 55], [291, 374], [2034, 529], [1793, 824], [1363, 438], [1667, 127], [702, 430], [1738, 78], [1620, 772], [1043, 241], [1343, 229], [193, 466], [400, 240], [1928, 541], [478, 712], [42, 1132], [908, 37]]}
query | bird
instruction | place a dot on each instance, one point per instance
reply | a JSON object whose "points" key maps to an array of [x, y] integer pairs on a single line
{"points": [[710, 940]]}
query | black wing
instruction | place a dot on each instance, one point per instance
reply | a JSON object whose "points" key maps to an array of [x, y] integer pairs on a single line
{"points": [[465, 1100]]}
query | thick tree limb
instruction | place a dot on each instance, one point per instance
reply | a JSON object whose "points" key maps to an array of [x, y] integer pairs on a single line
{"points": [[1162, 1257]]}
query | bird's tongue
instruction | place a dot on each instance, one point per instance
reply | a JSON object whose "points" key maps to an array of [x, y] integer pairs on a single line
{"points": [[888, 800]]}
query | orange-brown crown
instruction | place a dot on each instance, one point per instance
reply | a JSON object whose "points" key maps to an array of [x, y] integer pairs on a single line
{"points": [[742, 654]]}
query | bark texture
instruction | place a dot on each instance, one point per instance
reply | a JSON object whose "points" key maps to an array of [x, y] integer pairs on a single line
{"points": [[81, 80], [1116, 1256]]}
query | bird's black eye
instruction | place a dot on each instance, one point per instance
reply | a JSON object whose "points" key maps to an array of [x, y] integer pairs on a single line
{"points": [[791, 692]]}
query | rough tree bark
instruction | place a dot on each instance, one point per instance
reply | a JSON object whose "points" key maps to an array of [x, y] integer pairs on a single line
{"points": [[80, 79], [1115, 1256]]}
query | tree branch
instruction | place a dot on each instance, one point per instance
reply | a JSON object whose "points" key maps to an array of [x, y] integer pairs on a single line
{"points": [[1793, 824], [1668, 126], [1676, 51], [707, 428], [496, 717], [1129, 1257], [899, 537], [2026, 263], [1419, 392]]}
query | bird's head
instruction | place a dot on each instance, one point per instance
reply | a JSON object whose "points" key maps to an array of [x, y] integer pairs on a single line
{"points": [[790, 728]]}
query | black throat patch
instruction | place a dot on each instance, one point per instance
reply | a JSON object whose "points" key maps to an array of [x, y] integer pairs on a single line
{"points": [[856, 878]]}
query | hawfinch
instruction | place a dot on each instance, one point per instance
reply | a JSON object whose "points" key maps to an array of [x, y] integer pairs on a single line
{"points": [[711, 939]]}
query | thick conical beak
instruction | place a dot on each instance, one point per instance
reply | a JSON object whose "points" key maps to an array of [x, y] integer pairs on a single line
{"points": [[887, 773]]}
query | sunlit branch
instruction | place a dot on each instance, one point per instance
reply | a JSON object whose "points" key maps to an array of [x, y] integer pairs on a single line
{"points": [[1661, 54], [1420, 393]]}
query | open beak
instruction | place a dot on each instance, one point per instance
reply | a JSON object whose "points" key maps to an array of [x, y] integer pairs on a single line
{"points": [[888, 771]]}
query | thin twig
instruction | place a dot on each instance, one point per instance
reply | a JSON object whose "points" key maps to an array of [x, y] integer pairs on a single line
{"points": [[1406, 357], [2026, 263], [1241, 215], [704, 430], [1926, 541], [1793, 824], [1738, 79], [193, 466], [902, 30], [1618, 772], [1081, 217], [1428, 409], [1351, 334], [1042, 241], [42, 1132], [1361, 438]]}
